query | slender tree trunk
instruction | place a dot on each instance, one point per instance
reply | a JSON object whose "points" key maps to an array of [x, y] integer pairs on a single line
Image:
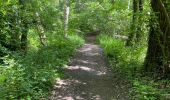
{"points": [[40, 30], [136, 33], [66, 16], [24, 41], [24, 31], [133, 25], [139, 29], [15, 41], [129, 3]]}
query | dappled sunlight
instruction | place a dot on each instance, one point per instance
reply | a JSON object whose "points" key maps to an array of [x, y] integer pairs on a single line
{"points": [[87, 62], [86, 78], [101, 73], [67, 85], [85, 50], [80, 68], [94, 54], [80, 90], [88, 48], [85, 70]]}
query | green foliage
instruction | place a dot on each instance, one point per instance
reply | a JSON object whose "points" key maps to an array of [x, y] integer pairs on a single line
{"points": [[10, 79], [18, 18], [112, 47], [146, 91], [33, 75], [99, 15], [128, 61]]}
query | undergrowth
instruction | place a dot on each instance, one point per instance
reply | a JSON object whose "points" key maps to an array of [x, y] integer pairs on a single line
{"points": [[128, 62], [31, 76]]}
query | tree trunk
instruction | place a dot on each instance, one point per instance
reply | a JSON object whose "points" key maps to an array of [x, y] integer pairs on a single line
{"points": [[24, 30], [66, 16], [129, 3], [24, 40], [139, 29], [136, 33], [15, 41], [158, 56], [134, 22], [40, 30]]}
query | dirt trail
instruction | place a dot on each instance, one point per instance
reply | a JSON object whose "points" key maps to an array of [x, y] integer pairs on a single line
{"points": [[88, 77]]}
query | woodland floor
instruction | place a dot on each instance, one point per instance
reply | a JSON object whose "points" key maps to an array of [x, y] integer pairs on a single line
{"points": [[88, 77]]}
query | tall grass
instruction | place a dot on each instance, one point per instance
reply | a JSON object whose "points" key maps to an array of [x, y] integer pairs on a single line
{"points": [[126, 58], [128, 63]]}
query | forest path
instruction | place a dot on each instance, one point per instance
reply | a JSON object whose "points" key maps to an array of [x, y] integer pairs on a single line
{"points": [[88, 77]]}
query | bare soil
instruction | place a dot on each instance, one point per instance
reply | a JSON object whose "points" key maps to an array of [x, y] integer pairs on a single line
{"points": [[88, 77]]}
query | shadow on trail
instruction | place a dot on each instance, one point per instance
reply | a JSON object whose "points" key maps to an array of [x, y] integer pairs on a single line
{"points": [[88, 77]]}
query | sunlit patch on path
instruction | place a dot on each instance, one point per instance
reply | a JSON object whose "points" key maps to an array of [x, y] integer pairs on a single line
{"points": [[88, 77]]}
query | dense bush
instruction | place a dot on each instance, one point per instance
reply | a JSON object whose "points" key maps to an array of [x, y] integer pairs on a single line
{"points": [[128, 61], [33, 75]]}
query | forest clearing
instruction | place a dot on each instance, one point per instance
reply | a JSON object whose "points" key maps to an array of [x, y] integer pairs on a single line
{"points": [[84, 50]]}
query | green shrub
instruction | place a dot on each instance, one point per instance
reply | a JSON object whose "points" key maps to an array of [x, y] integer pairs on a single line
{"points": [[145, 91], [128, 63], [113, 48], [33, 75]]}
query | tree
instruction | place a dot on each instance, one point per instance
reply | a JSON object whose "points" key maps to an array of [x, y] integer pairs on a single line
{"points": [[40, 30], [66, 16], [24, 25], [129, 2], [135, 34], [158, 55]]}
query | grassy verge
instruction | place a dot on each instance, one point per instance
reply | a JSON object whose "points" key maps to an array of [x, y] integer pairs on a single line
{"points": [[31, 77], [128, 61]]}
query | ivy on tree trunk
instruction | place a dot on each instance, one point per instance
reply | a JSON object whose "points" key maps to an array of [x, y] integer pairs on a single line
{"points": [[158, 55]]}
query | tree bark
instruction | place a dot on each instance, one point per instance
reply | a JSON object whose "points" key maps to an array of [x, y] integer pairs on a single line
{"points": [[134, 23], [139, 29], [66, 16], [24, 30], [40, 30], [24, 41], [129, 3], [136, 34], [158, 55]]}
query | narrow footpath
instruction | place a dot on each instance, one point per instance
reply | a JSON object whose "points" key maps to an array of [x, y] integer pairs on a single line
{"points": [[88, 77]]}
